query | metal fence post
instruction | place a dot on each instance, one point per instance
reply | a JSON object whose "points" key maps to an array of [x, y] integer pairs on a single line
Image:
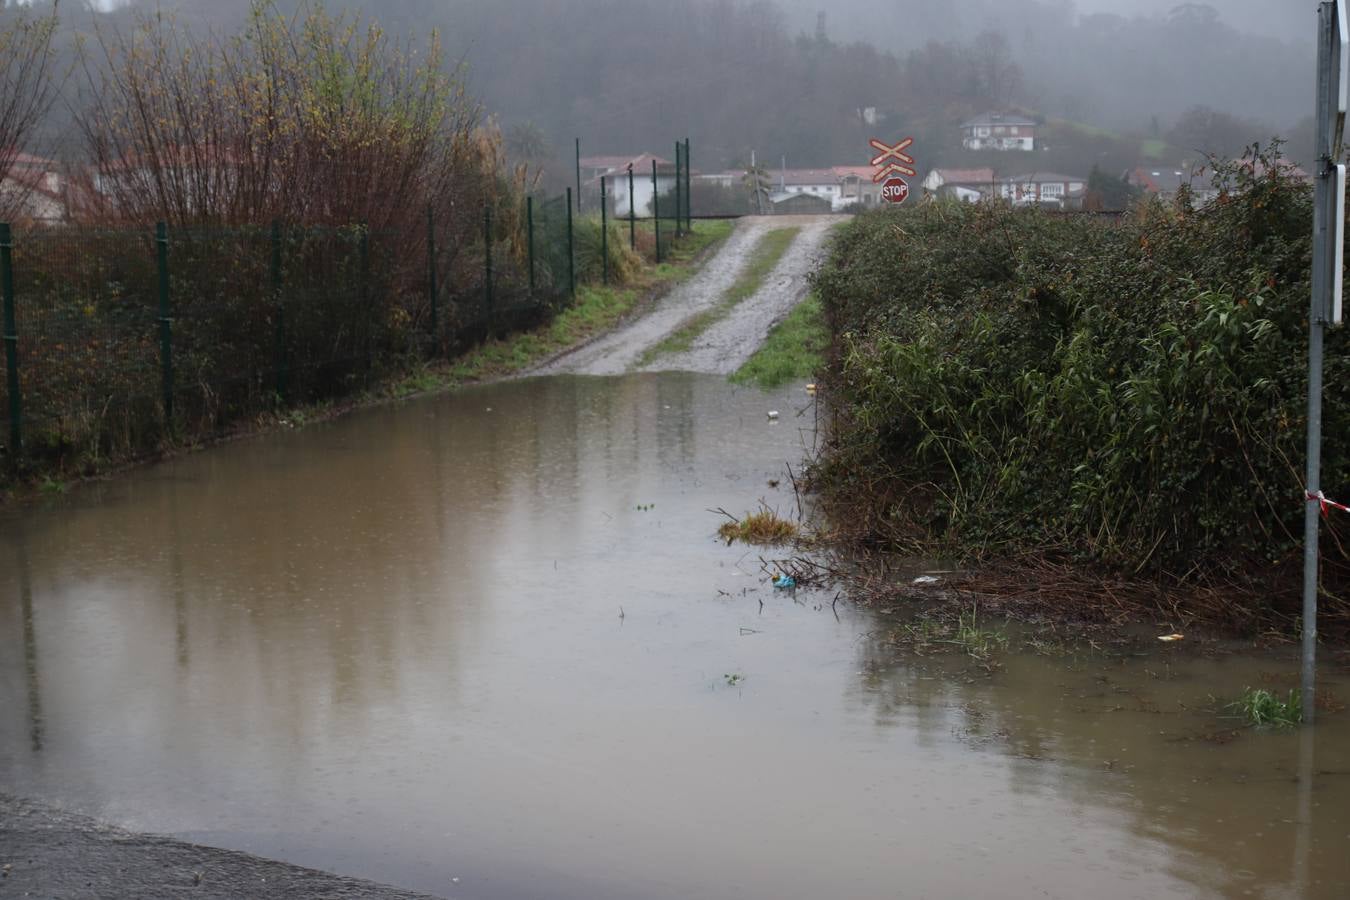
{"points": [[632, 213], [487, 259], [656, 214], [688, 192], [11, 340], [679, 189], [578, 176], [529, 239], [281, 311], [604, 232], [364, 250], [431, 271], [165, 323], [571, 251]]}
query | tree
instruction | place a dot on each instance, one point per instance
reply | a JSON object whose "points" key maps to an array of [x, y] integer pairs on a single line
{"points": [[757, 181], [1107, 193], [1210, 131], [27, 89]]}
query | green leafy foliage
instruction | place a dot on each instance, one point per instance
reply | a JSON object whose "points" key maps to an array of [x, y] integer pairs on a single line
{"points": [[1130, 394]]}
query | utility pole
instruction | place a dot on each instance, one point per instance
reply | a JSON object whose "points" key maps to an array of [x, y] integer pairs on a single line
{"points": [[1333, 86]]}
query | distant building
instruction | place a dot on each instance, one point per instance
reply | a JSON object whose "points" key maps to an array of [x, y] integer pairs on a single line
{"points": [[615, 169], [999, 131], [1043, 189], [34, 190], [792, 203], [968, 185], [841, 186]]}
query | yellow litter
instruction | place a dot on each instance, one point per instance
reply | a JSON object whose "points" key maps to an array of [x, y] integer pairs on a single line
{"points": [[1170, 637]]}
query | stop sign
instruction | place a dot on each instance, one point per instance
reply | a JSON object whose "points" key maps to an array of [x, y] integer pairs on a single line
{"points": [[895, 190]]}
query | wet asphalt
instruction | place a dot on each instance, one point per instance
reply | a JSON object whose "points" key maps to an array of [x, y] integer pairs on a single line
{"points": [[56, 855]]}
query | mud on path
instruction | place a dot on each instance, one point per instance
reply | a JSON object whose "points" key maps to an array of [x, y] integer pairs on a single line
{"points": [[730, 341]]}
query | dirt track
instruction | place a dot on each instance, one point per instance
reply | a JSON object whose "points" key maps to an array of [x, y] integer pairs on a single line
{"points": [[728, 343]]}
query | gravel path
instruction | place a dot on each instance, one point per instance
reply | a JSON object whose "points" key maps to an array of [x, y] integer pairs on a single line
{"points": [[57, 855], [726, 345]]}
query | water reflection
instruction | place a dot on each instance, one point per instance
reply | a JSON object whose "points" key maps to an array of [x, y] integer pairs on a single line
{"points": [[30, 651], [391, 646], [1242, 813]]}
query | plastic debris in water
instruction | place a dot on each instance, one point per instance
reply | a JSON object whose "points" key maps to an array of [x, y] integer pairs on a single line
{"points": [[1170, 637], [773, 414], [784, 581], [811, 389], [927, 579]]}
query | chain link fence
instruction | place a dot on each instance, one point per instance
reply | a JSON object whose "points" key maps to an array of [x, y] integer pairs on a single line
{"points": [[118, 339]]}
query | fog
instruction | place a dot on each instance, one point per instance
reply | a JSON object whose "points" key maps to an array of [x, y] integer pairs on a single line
{"points": [[804, 82]]}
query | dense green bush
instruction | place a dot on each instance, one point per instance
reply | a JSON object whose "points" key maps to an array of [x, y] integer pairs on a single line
{"points": [[1131, 393]]}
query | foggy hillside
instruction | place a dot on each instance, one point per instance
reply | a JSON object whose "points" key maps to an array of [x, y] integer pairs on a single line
{"points": [[780, 78]]}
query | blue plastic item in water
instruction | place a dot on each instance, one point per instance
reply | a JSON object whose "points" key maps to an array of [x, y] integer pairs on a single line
{"points": [[784, 581]]}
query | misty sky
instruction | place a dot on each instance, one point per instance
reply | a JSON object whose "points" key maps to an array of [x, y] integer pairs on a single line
{"points": [[857, 19]]}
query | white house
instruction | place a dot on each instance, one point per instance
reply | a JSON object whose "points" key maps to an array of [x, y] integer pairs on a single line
{"points": [[842, 186], [967, 185], [1043, 188], [999, 131], [615, 170], [34, 189]]}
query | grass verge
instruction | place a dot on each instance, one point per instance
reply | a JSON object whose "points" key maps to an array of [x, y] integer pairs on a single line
{"points": [[763, 258], [794, 349]]}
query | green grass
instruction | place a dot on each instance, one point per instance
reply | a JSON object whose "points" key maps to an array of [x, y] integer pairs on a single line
{"points": [[763, 258], [762, 527], [794, 349], [1262, 709], [977, 642], [1154, 148]]}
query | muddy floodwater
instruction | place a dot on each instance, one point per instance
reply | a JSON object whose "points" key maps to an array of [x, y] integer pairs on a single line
{"points": [[487, 645]]}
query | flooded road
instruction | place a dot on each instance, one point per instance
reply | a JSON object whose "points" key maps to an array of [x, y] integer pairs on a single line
{"points": [[486, 645]]}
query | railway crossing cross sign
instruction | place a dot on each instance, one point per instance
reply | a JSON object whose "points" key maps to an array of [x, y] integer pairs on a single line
{"points": [[892, 163]]}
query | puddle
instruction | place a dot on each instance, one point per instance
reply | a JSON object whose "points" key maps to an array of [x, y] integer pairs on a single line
{"points": [[492, 637]]}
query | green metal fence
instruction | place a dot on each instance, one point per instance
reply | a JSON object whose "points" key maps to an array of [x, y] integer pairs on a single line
{"points": [[117, 339]]}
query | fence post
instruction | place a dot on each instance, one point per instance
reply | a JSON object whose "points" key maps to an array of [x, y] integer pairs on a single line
{"points": [[529, 239], [364, 250], [165, 323], [571, 251], [632, 213], [487, 261], [11, 340], [656, 214], [688, 192], [281, 311], [431, 273], [679, 188], [569, 206], [604, 232]]}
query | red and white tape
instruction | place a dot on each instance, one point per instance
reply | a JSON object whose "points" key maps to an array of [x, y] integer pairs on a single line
{"points": [[1325, 503]]}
